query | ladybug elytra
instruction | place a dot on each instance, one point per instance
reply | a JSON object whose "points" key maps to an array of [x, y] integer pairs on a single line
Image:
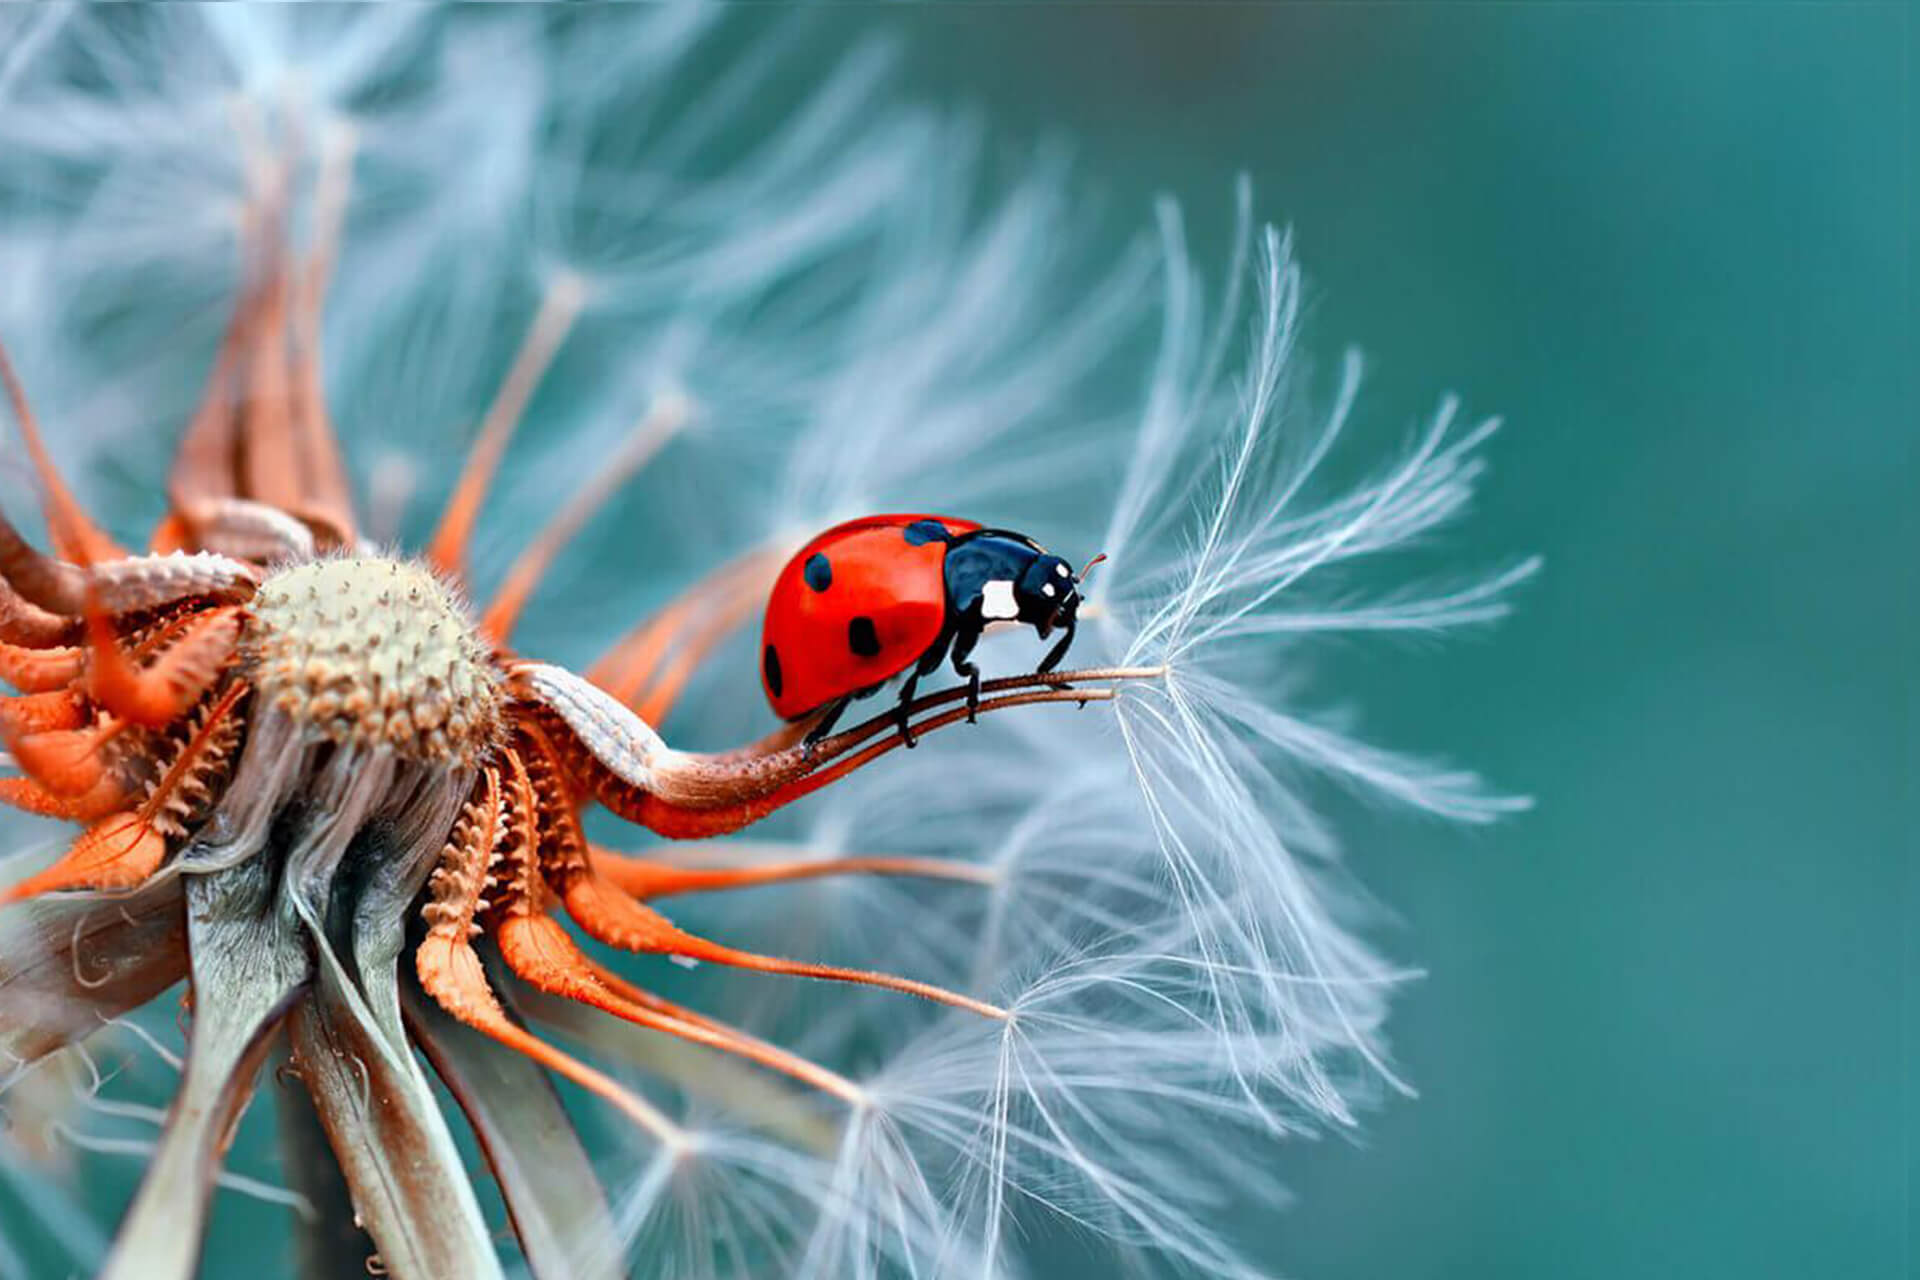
{"points": [[884, 595]]}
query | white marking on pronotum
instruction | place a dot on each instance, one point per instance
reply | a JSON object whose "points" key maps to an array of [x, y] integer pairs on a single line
{"points": [[1046, 589], [996, 601], [1061, 569]]}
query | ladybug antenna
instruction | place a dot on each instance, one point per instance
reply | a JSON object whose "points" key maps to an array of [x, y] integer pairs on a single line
{"points": [[1089, 569]]}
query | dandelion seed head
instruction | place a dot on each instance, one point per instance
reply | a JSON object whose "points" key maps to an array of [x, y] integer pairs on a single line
{"points": [[374, 651]]}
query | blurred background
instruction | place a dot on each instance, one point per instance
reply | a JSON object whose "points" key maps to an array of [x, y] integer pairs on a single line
{"points": [[1667, 1023], [1662, 1031]]}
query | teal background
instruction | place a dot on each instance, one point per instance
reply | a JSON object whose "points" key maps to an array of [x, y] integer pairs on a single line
{"points": [[1663, 1032]]}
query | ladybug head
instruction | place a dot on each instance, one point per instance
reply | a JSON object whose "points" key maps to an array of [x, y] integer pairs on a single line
{"points": [[1048, 594]]}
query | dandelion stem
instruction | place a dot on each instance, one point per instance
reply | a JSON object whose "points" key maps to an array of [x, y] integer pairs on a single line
{"points": [[1056, 681], [327, 1243]]}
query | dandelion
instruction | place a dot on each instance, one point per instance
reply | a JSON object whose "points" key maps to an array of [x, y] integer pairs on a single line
{"points": [[327, 657]]}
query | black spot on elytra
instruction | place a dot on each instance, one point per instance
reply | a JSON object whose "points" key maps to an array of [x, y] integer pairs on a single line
{"points": [[818, 571], [921, 532], [770, 663], [862, 638]]}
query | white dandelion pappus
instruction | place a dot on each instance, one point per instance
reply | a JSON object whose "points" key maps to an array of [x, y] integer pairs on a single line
{"points": [[1150, 895], [1249, 1006]]}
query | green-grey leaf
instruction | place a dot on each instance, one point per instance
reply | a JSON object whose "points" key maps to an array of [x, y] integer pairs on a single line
{"points": [[249, 963]]}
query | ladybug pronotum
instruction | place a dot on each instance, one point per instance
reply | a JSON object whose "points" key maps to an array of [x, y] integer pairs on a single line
{"points": [[884, 595]]}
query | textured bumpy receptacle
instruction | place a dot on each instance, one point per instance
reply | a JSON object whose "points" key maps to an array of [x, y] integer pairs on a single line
{"points": [[371, 651]]}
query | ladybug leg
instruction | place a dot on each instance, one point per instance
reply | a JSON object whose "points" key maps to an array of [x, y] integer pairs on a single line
{"points": [[903, 710], [827, 721], [1058, 651], [963, 666]]}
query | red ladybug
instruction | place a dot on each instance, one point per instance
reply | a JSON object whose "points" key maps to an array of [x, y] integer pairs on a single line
{"points": [[872, 598]]}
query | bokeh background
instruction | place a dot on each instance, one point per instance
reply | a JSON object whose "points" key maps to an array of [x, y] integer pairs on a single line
{"points": [[1662, 1031], [1668, 1020]]}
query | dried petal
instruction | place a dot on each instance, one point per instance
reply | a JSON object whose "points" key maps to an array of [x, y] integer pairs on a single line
{"points": [[71, 965]]}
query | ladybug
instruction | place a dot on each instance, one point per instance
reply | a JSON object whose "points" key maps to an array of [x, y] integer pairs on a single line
{"points": [[872, 598]]}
